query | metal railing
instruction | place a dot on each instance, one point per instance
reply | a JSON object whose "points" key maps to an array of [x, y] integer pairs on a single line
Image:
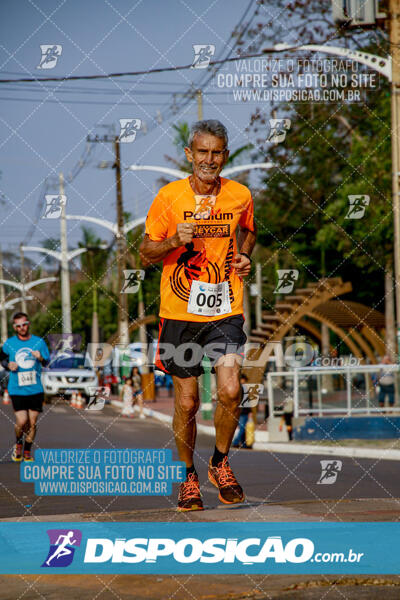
{"points": [[303, 383]]}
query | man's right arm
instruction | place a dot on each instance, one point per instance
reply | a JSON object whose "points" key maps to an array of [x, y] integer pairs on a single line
{"points": [[152, 252], [4, 359]]}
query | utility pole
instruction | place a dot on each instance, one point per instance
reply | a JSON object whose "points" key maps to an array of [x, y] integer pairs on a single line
{"points": [[394, 32], [3, 322], [199, 96], [23, 301], [123, 317], [65, 286], [123, 320]]}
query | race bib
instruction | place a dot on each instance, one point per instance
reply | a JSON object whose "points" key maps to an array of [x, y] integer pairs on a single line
{"points": [[209, 299], [26, 378]]}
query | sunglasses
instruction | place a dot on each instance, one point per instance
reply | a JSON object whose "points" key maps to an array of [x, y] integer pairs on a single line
{"points": [[22, 324]]}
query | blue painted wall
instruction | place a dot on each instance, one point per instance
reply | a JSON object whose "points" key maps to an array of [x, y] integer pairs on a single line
{"points": [[341, 428]]}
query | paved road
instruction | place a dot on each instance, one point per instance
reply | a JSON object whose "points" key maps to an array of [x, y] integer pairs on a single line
{"points": [[277, 486]]}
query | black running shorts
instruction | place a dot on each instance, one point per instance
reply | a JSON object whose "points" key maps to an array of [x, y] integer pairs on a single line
{"points": [[32, 402], [182, 344]]}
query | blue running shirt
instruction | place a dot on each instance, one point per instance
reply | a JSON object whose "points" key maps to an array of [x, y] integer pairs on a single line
{"points": [[26, 380]]}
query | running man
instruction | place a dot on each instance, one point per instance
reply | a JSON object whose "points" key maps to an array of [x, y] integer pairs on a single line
{"points": [[62, 550], [191, 226], [24, 355]]}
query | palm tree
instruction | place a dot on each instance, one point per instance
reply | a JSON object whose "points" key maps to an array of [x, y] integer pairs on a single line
{"points": [[94, 264]]}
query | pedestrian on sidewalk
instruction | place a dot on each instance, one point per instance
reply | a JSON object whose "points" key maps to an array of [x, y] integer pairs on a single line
{"points": [[24, 355], [287, 417], [127, 398], [386, 383], [137, 390]]}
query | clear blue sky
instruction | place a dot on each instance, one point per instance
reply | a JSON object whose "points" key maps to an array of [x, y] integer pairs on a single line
{"points": [[40, 138]]}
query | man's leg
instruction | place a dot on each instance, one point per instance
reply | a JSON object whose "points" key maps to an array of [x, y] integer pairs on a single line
{"points": [[226, 418], [21, 420], [31, 433], [184, 425], [390, 392], [381, 397], [227, 410]]}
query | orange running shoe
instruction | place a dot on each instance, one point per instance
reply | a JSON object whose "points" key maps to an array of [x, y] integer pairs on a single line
{"points": [[16, 455], [223, 478], [189, 494]]}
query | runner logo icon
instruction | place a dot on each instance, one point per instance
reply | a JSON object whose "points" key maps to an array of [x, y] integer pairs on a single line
{"points": [[202, 55], [54, 206], [286, 281], [251, 394], [330, 470], [62, 547], [50, 55], [128, 130], [357, 206], [278, 130]]}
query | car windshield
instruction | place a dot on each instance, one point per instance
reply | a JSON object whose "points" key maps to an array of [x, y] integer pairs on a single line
{"points": [[70, 361]]}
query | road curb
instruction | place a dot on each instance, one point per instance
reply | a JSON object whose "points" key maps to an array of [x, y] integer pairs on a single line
{"points": [[352, 452], [289, 447]]}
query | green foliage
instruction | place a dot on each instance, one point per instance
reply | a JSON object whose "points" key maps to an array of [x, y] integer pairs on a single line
{"points": [[331, 152], [368, 242]]}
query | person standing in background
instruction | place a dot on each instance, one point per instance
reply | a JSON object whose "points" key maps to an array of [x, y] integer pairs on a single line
{"points": [[137, 390]]}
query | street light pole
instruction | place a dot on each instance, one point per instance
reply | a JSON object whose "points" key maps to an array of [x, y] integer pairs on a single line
{"points": [[394, 32], [65, 286], [123, 317], [123, 321], [199, 96], [23, 302], [2, 304]]}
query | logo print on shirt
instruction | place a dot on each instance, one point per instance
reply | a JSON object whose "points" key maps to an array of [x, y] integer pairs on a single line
{"points": [[24, 358], [192, 264], [204, 206]]}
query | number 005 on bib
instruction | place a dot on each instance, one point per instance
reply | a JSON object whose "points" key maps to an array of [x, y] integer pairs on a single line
{"points": [[209, 299]]}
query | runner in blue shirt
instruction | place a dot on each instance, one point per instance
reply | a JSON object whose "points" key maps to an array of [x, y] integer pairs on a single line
{"points": [[24, 355]]}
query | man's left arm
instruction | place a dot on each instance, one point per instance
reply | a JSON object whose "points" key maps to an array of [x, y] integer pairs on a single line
{"points": [[247, 240], [247, 236], [42, 355]]}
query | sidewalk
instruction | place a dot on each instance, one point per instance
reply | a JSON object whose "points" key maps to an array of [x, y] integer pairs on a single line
{"points": [[163, 407]]}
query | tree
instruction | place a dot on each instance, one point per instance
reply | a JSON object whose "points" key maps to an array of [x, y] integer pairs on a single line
{"points": [[94, 265]]}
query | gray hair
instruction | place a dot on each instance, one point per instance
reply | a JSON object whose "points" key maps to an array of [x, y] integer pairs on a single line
{"points": [[208, 126]]}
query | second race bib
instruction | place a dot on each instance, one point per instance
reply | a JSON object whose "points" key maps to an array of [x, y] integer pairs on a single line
{"points": [[209, 299], [26, 378]]}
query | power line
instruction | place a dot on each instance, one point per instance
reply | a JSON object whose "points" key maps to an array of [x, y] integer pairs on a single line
{"points": [[158, 83], [137, 73], [95, 91], [91, 102]]}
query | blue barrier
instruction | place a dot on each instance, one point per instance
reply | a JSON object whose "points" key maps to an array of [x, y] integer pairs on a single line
{"points": [[341, 428]]}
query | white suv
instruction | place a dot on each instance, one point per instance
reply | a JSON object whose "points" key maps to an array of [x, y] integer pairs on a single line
{"points": [[67, 373]]}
